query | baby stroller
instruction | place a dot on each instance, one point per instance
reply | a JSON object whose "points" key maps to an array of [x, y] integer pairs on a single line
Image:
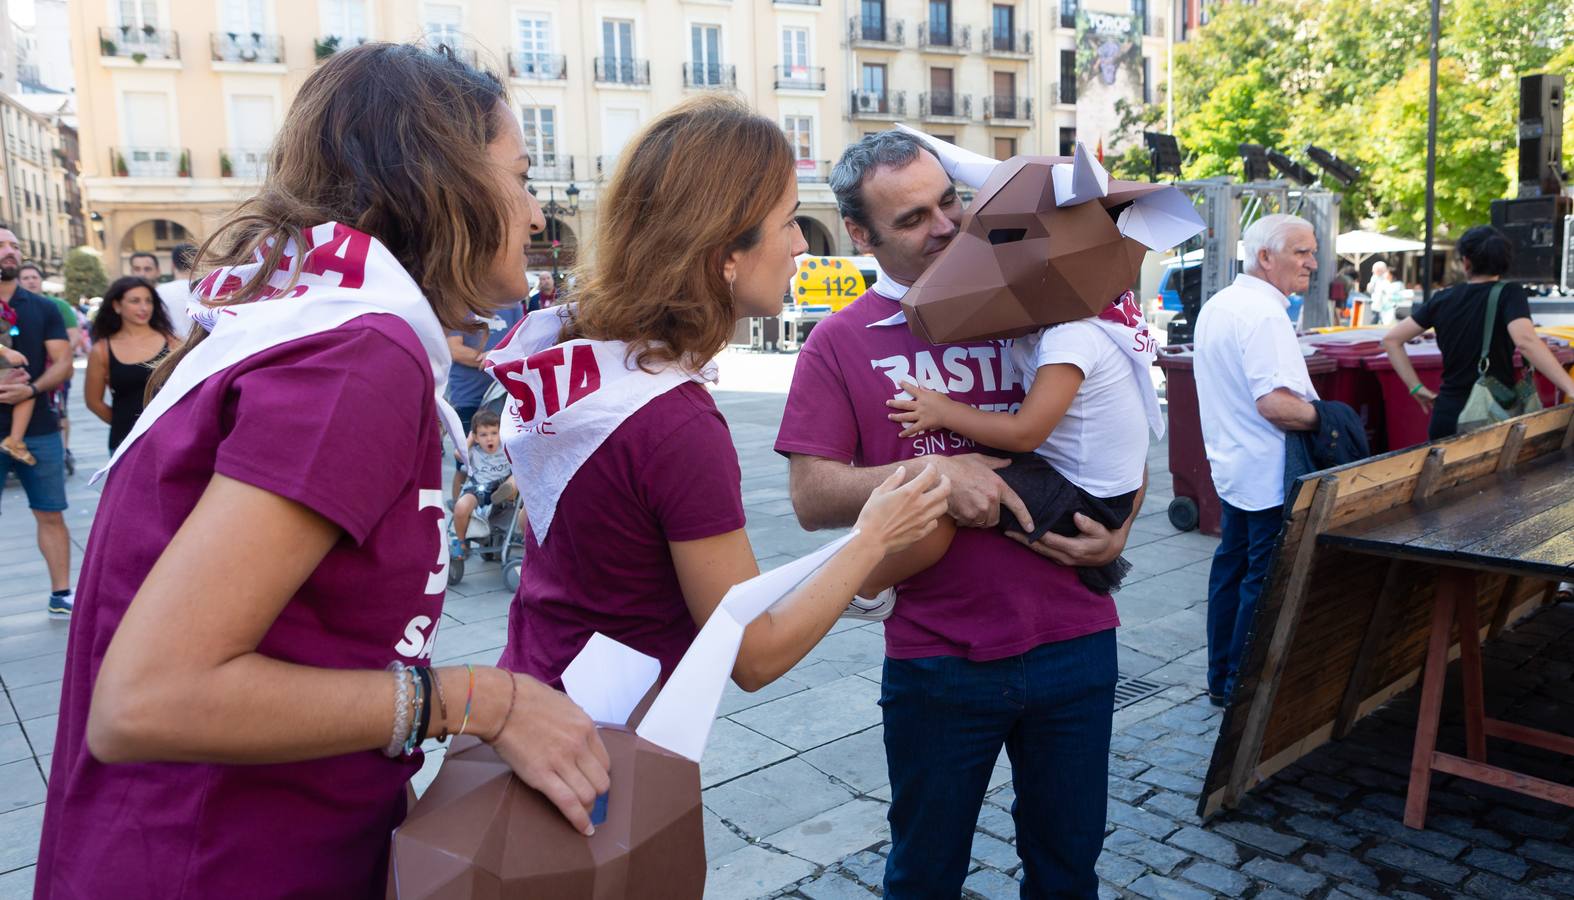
{"points": [[493, 531]]}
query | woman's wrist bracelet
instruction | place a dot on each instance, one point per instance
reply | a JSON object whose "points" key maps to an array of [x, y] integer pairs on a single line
{"points": [[412, 740], [513, 695], [401, 727], [1417, 389], [442, 707], [469, 696]]}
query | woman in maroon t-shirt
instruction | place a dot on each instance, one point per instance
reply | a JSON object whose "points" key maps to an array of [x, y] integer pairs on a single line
{"points": [[273, 540], [697, 230]]}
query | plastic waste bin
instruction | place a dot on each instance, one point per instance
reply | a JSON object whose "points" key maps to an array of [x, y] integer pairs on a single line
{"points": [[1196, 503], [1351, 382], [1565, 354], [1404, 421]]}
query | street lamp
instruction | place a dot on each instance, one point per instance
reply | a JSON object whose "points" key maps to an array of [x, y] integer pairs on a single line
{"points": [[554, 211]]}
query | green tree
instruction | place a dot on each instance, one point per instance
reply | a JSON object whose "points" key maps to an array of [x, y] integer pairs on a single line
{"points": [[84, 275], [1243, 108], [1475, 142]]}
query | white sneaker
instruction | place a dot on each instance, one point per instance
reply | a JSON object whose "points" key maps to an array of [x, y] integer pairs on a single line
{"points": [[877, 610]]}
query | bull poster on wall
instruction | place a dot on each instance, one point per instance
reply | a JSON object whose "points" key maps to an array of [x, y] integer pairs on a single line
{"points": [[1109, 70]]}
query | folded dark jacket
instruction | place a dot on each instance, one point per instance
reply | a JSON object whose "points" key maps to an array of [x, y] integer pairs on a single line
{"points": [[1340, 438]]}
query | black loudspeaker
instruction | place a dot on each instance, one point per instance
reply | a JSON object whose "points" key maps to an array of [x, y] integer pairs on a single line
{"points": [[1534, 225], [1540, 135]]}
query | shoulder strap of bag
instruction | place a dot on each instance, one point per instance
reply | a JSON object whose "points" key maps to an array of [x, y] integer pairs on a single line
{"points": [[1486, 328]]}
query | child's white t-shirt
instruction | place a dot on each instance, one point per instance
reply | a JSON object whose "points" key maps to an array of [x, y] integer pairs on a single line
{"points": [[1101, 444]]}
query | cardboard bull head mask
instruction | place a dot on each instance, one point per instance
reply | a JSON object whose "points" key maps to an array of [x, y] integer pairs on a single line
{"points": [[1047, 239]]}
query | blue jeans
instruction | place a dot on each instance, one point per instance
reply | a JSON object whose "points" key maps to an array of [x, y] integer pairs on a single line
{"points": [[1240, 570], [45, 480], [946, 719]]}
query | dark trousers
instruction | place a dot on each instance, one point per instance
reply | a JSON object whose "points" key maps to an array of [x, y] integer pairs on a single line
{"points": [[1445, 415], [946, 719], [1240, 569]]}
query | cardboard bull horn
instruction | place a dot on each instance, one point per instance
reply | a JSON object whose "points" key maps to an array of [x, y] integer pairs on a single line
{"points": [[1047, 239], [480, 832]]}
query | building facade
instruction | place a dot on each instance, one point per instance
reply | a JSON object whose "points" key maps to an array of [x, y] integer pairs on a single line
{"points": [[178, 100], [38, 179]]}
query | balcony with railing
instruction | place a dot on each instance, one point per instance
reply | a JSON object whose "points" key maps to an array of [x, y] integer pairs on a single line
{"points": [[150, 162], [879, 104], [935, 37], [800, 78], [945, 105], [552, 167], [231, 46], [1008, 43], [872, 32], [138, 44], [1063, 92], [537, 66], [248, 163], [622, 70], [709, 76], [1008, 110], [815, 171]]}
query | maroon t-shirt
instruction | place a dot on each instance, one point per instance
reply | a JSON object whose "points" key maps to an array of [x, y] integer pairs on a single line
{"points": [[344, 423], [988, 597], [667, 473]]}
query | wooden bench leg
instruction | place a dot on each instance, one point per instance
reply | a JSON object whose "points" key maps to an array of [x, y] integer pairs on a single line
{"points": [[1431, 703], [1470, 663]]}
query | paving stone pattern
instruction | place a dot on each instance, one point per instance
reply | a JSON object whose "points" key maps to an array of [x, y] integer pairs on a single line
{"points": [[795, 787]]}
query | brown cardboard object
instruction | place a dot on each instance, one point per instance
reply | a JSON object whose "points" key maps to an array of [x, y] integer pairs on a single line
{"points": [[1020, 262], [479, 833]]}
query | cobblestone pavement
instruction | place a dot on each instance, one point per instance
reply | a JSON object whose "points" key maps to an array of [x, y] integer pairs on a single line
{"points": [[794, 779]]}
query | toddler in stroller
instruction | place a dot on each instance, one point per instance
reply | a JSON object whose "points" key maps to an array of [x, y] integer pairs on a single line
{"points": [[484, 512]]}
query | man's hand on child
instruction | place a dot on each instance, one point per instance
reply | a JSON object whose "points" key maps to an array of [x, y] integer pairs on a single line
{"points": [[925, 412]]}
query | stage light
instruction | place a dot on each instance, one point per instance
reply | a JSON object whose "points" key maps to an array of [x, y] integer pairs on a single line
{"points": [[1255, 159], [1291, 169], [1164, 152], [1337, 169]]}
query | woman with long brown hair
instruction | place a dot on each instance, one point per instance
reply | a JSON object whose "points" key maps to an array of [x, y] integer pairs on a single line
{"points": [[628, 474], [248, 680], [132, 315]]}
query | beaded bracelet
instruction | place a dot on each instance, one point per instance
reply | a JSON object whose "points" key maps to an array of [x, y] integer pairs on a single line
{"points": [[412, 740], [401, 728]]}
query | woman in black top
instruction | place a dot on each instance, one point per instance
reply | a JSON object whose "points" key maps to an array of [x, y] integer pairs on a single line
{"points": [[131, 335], [1459, 315]]}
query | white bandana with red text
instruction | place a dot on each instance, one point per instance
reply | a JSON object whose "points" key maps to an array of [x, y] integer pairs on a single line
{"points": [[1123, 323], [344, 274], [564, 400]]}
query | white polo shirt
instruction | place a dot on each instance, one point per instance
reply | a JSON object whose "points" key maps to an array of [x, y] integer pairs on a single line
{"points": [[174, 295], [1246, 348]]}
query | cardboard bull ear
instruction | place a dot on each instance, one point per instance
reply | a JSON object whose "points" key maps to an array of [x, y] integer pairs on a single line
{"points": [[1046, 240], [972, 169], [480, 832], [1081, 180]]}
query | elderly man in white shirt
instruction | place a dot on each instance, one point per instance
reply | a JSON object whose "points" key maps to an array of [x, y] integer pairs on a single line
{"points": [[1252, 387]]}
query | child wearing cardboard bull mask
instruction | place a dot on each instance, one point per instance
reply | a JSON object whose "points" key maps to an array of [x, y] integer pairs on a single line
{"points": [[1079, 438]]}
